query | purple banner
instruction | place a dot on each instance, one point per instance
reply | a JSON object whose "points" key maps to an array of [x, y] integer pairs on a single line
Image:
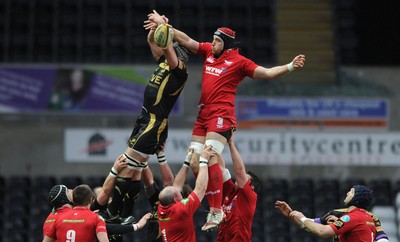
{"points": [[70, 90], [112, 95], [26, 89]]}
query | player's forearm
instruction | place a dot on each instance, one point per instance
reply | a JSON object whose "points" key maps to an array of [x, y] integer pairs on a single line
{"points": [[167, 176], [238, 165], [184, 40], [323, 231], [201, 181], [150, 37], [171, 57], [180, 178], [102, 237], [180, 37], [270, 73]]}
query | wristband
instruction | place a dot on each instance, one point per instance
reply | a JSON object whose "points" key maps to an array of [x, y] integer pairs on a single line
{"points": [[303, 219], [203, 160], [202, 164], [290, 66], [186, 163], [113, 172], [135, 227]]}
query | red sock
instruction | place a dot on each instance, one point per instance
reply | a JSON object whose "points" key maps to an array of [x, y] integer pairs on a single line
{"points": [[214, 188]]}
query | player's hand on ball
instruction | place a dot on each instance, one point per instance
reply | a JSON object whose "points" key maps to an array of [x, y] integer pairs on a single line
{"points": [[163, 35]]}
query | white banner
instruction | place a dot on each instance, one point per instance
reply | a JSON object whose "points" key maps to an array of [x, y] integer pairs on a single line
{"points": [[255, 147]]}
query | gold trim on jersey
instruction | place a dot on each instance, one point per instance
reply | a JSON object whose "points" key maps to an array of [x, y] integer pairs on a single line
{"points": [[149, 126], [161, 90], [177, 91], [161, 129]]}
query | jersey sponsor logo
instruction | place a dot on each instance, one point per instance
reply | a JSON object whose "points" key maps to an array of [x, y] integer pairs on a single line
{"points": [[345, 218], [73, 220], [184, 201], [210, 59], [214, 71], [212, 192]]}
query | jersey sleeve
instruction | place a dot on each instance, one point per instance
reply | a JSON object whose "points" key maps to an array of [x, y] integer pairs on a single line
{"points": [[51, 232], [228, 188], [180, 73], [247, 193], [249, 67], [205, 48], [192, 204], [344, 224], [100, 225]]}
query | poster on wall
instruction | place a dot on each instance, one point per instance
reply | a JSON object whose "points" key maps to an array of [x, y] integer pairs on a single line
{"points": [[256, 148], [253, 112], [89, 89]]}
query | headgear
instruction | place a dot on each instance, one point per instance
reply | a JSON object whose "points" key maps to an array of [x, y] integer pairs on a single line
{"points": [[362, 197], [228, 37], [181, 52], [58, 196]]}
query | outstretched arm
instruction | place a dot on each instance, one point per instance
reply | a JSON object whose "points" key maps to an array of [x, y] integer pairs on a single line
{"points": [[323, 231], [165, 171], [102, 237], [155, 19], [277, 71], [109, 182], [285, 209], [202, 177], [238, 165], [155, 50], [180, 178]]}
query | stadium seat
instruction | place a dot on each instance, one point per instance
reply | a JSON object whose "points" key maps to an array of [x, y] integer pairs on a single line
{"points": [[349, 183], [43, 183], [95, 181], [71, 181], [299, 235], [384, 212], [18, 235], [382, 190]]}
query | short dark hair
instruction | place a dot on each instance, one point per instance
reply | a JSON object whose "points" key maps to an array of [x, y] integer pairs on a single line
{"points": [[255, 182], [82, 194]]}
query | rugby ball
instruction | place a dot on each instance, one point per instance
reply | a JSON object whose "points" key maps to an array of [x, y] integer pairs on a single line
{"points": [[163, 35]]}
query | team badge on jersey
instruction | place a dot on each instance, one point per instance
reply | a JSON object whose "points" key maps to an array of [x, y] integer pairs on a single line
{"points": [[210, 59], [220, 123], [345, 218]]}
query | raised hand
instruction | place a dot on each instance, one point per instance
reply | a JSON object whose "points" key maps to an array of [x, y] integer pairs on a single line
{"points": [[283, 207], [298, 61]]}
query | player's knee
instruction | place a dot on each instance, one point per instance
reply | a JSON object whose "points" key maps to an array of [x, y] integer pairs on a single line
{"points": [[196, 146], [216, 145]]}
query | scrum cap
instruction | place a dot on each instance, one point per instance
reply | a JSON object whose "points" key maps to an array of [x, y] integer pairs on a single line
{"points": [[181, 52], [228, 37], [363, 197], [58, 196]]}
